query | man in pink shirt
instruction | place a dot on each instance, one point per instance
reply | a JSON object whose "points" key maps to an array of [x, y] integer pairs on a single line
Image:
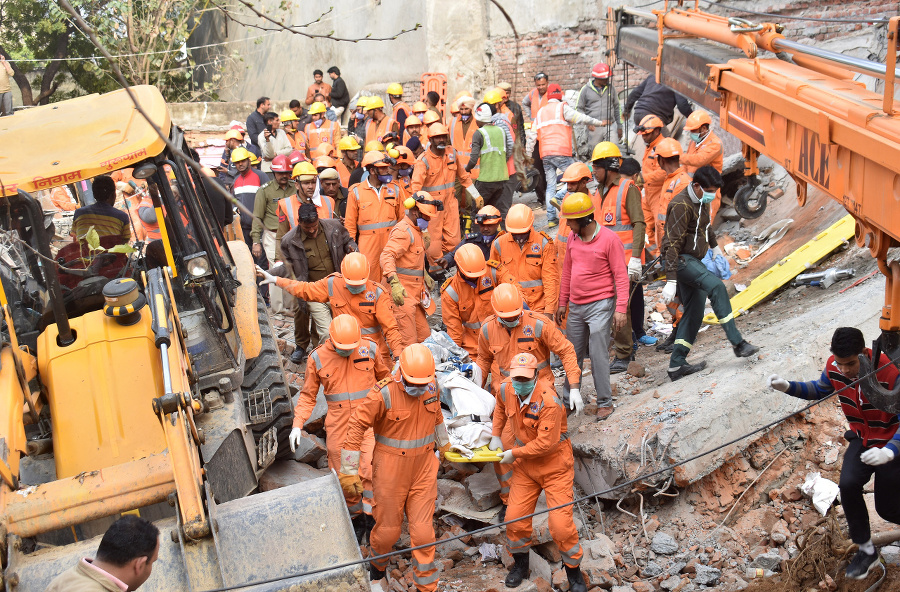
{"points": [[593, 292]]}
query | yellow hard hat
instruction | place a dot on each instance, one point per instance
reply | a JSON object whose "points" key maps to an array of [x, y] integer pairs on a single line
{"points": [[240, 153], [348, 143], [374, 145], [254, 160], [317, 107], [493, 96], [304, 169], [606, 150], [576, 205], [288, 115], [395, 88], [361, 101], [374, 103]]}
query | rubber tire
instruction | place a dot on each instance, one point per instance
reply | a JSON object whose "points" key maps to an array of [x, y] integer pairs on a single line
{"points": [[743, 208], [267, 371]]}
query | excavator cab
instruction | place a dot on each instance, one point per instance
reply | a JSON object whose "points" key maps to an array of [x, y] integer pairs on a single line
{"points": [[153, 386]]}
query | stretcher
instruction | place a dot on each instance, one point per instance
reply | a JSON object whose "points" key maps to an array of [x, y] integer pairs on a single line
{"points": [[790, 267], [483, 454]]}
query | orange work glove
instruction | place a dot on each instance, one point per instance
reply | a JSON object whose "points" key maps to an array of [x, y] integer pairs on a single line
{"points": [[351, 484]]}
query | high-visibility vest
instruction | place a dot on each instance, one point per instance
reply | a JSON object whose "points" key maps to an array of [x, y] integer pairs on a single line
{"points": [[553, 131], [151, 230], [291, 205], [374, 131], [398, 107], [537, 102], [462, 142], [493, 154], [615, 217], [318, 135]]}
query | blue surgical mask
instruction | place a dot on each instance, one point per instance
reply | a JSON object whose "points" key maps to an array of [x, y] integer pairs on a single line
{"points": [[319, 122], [707, 197], [360, 115], [523, 389], [385, 178], [695, 136], [405, 172], [465, 117], [422, 224], [509, 324], [344, 353], [356, 289], [415, 390]]}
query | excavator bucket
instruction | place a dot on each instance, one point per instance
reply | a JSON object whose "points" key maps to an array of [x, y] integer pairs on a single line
{"points": [[269, 537]]}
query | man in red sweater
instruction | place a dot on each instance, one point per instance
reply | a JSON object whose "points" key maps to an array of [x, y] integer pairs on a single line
{"points": [[593, 292]]}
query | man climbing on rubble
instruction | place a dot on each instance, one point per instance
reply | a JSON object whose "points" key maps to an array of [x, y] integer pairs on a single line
{"points": [[404, 411], [346, 366], [542, 461], [688, 236], [874, 443]]}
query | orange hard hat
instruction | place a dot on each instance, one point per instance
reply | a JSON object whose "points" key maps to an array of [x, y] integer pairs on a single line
{"points": [[470, 261], [523, 365], [667, 148], [420, 200], [454, 108], [324, 162], [355, 269], [406, 156], [419, 107], [519, 218], [438, 129], [344, 332], [488, 215], [431, 117], [234, 134], [324, 149], [412, 120], [461, 94], [417, 364], [697, 118], [576, 172], [648, 123], [373, 157], [506, 301]]}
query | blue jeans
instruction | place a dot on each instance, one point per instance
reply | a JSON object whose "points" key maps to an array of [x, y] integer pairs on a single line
{"points": [[551, 163]]}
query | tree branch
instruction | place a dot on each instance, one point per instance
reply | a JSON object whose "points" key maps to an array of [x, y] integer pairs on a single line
{"points": [[48, 85]]}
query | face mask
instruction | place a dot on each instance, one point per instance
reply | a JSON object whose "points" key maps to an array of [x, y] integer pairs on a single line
{"points": [[415, 390], [488, 238], [523, 389], [405, 172], [385, 178], [440, 146], [509, 324], [344, 353], [360, 115], [465, 117], [707, 197], [695, 136], [422, 224], [356, 289], [319, 122], [471, 282]]}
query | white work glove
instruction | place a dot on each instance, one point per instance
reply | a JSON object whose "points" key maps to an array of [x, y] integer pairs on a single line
{"points": [[506, 457], [268, 278], [634, 269], [294, 438], [668, 293], [495, 444], [575, 401], [477, 377], [476, 196], [778, 383], [717, 252], [876, 456]]}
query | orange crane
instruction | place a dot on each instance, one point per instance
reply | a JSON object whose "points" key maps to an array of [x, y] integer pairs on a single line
{"points": [[802, 108]]}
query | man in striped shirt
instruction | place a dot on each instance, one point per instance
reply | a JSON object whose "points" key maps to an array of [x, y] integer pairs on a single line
{"points": [[103, 215]]}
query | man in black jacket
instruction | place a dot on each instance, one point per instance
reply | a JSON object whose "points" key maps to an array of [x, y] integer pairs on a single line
{"points": [[255, 122], [340, 96], [652, 98]]}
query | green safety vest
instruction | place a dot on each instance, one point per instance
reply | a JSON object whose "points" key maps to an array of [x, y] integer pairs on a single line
{"points": [[493, 155]]}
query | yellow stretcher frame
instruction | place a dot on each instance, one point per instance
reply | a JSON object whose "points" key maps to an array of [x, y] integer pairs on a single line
{"points": [[790, 267], [482, 454]]}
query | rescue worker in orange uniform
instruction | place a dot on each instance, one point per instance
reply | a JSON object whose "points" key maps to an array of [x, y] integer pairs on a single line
{"points": [[542, 460], [349, 149], [620, 211], [320, 129], [529, 257], [576, 177], [462, 130], [305, 178], [346, 366], [413, 129], [466, 298], [705, 149], [511, 331], [351, 292], [406, 160], [404, 411], [373, 207], [435, 172], [650, 129], [378, 123], [400, 111], [403, 263]]}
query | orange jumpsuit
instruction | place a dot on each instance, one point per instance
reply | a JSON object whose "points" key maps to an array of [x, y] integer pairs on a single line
{"points": [[370, 215], [708, 151], [496, 347], [533, 267], [653, 184], [372, 308], [343, 173], [404, 254], [543, 462], [465, 307], [346, 382], [405, 469], [436, 175], [672, 186]]}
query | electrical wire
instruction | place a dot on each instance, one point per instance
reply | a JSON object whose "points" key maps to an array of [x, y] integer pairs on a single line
{"points": [[565, 505]]}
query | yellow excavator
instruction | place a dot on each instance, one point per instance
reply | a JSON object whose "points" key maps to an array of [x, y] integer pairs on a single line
{"points": [[145, 382]]}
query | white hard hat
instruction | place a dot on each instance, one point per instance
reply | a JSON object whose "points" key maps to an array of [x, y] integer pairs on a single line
{"points": [[483, 114]]}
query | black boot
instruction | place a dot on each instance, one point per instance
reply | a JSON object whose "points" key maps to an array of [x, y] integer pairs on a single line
{"points": [[375, 573], [669, 344], [502, 515], [685, 370], [519, 571], [576, 580], [745, 350], [359, 527]]}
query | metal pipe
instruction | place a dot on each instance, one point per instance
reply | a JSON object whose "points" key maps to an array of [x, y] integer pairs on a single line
{"points": [[856, 64], [638, 12], [167, 373]]}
